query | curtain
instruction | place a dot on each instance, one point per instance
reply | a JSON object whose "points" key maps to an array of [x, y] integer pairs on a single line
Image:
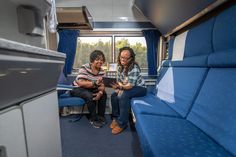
{"points": [[67, 44], [152, 39]]}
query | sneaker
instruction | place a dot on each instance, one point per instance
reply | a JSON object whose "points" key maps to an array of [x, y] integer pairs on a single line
{"points": [[113, 124], [95, 124], [117, 130], [102, 120], [65, 111]]}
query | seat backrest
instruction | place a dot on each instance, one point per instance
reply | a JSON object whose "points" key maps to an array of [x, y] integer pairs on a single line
{"points": [[178, 87], [214, 110], [62, 80], [199, 39], [195, 42], [180, 80], [224, 31]]}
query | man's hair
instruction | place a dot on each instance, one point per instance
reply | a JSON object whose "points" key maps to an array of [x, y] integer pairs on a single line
{"points": [[97, 54]]}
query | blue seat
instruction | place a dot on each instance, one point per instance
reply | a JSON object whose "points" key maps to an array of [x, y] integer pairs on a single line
{"points": [[162, 136], [201, 88], [64, 97]]}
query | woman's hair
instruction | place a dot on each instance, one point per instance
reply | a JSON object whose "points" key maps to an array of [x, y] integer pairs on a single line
{"points": [[97, 54], [131, 60]]}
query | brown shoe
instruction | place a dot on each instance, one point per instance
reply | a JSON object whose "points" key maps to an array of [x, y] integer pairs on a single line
{"points": [[113, 124], [117, 130]]}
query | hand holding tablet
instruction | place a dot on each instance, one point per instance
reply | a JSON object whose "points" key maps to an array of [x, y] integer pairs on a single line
{"points": [[108, 82]]}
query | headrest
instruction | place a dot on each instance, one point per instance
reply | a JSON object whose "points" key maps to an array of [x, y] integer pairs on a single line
{"points": [[224, 32], [195, 61], [199, 39], [226, 59]]}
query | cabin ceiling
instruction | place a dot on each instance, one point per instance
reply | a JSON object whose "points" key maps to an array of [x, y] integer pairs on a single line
{"points": [[165, 15], [168, 14], [107, 10]]}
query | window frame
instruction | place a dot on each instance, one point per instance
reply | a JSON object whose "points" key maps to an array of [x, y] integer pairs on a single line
{"points": [[113, 35]]}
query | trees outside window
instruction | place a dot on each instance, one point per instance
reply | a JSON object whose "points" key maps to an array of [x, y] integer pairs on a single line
{"points": [[85, 45]]}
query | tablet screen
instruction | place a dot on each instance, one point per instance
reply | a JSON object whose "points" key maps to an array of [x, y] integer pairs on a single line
{"points": [[108, 81]]}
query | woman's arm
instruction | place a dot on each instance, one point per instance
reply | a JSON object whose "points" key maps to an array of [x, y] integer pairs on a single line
{"points": [[126, 86], [85, 83], [122, 86]]}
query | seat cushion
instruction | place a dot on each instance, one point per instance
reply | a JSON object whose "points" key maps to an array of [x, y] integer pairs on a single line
{"points": [[66, 100], [173, 137], [150, 104]]}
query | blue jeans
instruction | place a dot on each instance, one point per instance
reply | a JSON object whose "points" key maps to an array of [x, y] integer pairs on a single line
{"points": [[121, 104], [87, 95]]}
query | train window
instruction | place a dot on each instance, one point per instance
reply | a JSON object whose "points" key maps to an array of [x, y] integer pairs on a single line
{"points": [[138, 44], [110, 43], [85, 45]]}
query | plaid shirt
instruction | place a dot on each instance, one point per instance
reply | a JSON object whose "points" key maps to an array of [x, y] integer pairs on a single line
{"points": [[134, 77]]}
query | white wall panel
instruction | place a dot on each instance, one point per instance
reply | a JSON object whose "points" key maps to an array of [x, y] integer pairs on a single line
{"points": [[12, 137]]}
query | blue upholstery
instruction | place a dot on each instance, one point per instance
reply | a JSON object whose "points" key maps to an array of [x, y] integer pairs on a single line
{"points": [[224, 32], [196, 61], [214, 110], [150, 104], [179, 81], [66, 100], [174, 137], [178, 87], [176, 91], [63, 81], [171, 93], [202, 89], [199, 39], [64, 97], [223, 59]]}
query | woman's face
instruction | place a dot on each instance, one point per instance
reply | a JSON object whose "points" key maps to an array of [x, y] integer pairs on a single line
{"points": [[98, 62], [125, 57]]}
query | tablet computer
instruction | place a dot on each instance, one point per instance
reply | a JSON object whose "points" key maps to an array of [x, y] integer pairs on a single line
{"points": [[108, 81]]}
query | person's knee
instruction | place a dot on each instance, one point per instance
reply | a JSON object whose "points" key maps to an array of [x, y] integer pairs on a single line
{"points": [[104, 95], [88, 96], [114, 95], [124, 96]]}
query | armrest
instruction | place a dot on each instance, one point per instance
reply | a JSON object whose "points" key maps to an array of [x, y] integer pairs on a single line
{"points": [[65, 87]]}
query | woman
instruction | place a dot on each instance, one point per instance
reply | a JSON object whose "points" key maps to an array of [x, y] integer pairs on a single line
{"points": [[91, 88], [130, 84]]}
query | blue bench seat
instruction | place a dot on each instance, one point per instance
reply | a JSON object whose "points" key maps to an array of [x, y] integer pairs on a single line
{"points": [[150, 104], [203, 96], [174, 137]]}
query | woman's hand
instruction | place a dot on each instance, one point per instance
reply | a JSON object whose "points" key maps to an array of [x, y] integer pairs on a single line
{"points": [[99, 81], [97, 95], [115, 85]]}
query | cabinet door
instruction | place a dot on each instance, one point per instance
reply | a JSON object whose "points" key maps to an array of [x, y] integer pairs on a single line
{"points": [[42, 126], [12, 138]]}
